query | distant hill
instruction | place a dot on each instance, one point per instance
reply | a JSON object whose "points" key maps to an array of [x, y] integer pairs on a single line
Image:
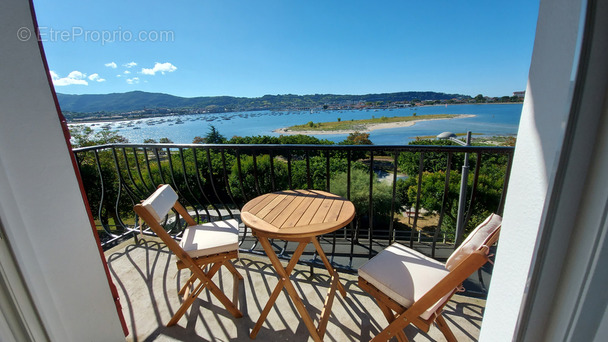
{"points": [[139, 100], [121, 103]]}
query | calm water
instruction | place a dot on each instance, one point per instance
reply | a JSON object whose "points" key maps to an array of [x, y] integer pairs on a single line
{"points": [[490, 120]]}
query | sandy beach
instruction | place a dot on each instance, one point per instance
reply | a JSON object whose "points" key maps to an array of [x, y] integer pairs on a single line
{"points": [[369, 127]]}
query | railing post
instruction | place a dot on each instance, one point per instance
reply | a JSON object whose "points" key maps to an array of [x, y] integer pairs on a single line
{"points": [[463, 196]]}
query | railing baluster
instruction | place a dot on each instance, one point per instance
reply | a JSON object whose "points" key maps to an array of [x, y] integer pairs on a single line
{"points": [[289, 170], [473, 192], [272, 182], [417, 209], [256, 183], [160, 168], [154, 184], [327, 185], [140, 193], [105, 227], [141, 177], [348, 166], [391, 227], [353, 226], [185, 175], [238, 163], [118, 195], [227, 184], [212, 180], [446, 192], [177, 223], [371, 201], [505, 185], [197, 170], [308, 178]]}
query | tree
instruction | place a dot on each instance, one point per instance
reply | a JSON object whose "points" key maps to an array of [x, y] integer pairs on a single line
{"points": [[409, 162], [262, 172], [358, 138], [488, 192], [479, 98], [359, 194], [165, 141], [214, 137], [82, 136]]}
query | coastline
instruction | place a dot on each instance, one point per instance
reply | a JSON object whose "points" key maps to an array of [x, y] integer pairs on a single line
{"points": [[369, 127], [116, 118]]}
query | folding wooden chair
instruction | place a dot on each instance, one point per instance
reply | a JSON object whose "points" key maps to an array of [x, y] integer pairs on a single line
{"points": [[214, 244], [412, 288]]}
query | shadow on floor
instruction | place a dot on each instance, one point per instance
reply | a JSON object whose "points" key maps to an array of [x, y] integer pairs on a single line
{"points": [[148, 280]]}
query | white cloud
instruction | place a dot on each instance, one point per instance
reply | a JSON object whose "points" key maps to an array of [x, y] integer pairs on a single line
{"points": [[133, 80], [95, 77], [111, 65], [75, 77], [127, 72], [159, 67], [130, 64]]}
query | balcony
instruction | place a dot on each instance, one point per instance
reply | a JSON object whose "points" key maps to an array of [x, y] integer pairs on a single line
{"points": [[147, 282], [214, 181]]}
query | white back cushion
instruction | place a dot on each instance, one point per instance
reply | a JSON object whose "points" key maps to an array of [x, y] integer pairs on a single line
{"points": [[478, 237], [160, 202]]}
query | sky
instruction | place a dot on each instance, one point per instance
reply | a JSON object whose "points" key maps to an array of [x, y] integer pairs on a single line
{"points": [[252, 48]]}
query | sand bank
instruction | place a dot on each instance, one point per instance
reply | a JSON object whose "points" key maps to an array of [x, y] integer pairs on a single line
{"points": [[369, 127]]}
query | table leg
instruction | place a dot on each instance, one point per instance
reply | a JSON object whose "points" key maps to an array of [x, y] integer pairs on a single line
{"points": [[284, 281], [327, 264]]}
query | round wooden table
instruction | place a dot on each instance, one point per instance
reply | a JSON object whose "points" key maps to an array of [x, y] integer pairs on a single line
{"points": [[299, 216]]}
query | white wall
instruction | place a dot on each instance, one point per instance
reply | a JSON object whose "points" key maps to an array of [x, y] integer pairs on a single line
{"points": [[41, 207], [539, 140]]}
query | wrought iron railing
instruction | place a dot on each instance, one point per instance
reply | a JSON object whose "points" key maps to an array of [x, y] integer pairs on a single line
{"points": [[214, 181]]}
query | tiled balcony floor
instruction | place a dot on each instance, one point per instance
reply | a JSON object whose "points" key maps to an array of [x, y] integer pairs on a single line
{"points": [[147, 280]]}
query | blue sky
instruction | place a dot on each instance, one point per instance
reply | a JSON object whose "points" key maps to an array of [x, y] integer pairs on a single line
{"points": [[252, 48]]}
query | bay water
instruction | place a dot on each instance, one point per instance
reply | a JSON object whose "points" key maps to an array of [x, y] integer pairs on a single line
{"points": [[489, 120]]}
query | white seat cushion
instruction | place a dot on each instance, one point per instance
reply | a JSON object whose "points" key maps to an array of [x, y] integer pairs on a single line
{"points": [[404, 275], [211, 238]]}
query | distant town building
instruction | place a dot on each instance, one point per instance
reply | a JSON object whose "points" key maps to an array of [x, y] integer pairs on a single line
{"points": [[519, 93]]}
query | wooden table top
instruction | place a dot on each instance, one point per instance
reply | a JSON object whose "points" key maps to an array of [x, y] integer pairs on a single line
{"points": [[297, 213]]}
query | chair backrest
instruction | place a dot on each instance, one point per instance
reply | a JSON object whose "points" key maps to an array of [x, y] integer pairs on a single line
{"points": [[153, 210], [485, 234], [160, 202]]}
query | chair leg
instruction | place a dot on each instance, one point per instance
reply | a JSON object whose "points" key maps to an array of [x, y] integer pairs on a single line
{"points": [[186, 304], [205, 281], [236, 277], [228, 304], [390, 317], [445, 329], [187, 285], [233, 269]]}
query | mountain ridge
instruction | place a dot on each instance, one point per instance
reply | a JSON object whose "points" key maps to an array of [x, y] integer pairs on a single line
{"points": [[161, 102]]}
